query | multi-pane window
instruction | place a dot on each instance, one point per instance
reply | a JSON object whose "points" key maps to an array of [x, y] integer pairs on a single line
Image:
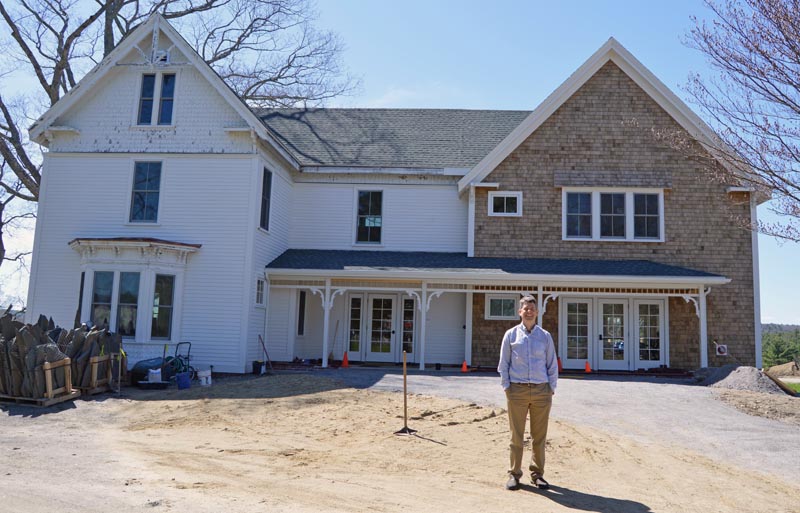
{"points": [[301, 314], [612, 215], [577, 331], [408, 325], [259, 292], [266, 196], [101, 298], [163, 298], [604, 213], [649, 332], [148, 99], [579, 214], [127, 304], [507, 204], [355, 324], [501, 308], [646, 216], [146, 189], [370, 217], [167, 99]]}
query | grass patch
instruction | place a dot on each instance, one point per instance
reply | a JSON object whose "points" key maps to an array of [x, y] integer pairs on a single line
{"points": [[793, 386]]}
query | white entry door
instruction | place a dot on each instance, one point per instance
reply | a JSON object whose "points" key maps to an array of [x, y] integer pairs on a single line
{"points": [[612, 335], [381, 329], [575, 329], [650, 333]]}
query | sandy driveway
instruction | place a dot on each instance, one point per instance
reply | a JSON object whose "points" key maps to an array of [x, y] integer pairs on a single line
{"points": [[307, 442]]}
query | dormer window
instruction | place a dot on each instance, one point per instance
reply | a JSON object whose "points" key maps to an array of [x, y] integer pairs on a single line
{"points": [[156, 99]]}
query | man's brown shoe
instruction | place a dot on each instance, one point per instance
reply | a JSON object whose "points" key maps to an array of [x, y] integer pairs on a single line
{"points": [[512, 483]]}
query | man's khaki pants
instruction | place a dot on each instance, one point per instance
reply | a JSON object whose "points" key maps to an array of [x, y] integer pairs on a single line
{"points": [[522, 399]]}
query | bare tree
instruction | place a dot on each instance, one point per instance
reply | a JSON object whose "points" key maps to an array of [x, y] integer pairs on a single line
{"points": [[753, 100], [267, 50]]}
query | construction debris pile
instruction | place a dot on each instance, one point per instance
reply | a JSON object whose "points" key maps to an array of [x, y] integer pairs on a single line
{"points": [[736, 377], [25, 348]]}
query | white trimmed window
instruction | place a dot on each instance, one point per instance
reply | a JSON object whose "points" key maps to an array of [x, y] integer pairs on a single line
{"points": [[505, 204], [260, 292], [369, 217], [156, 99], [613, 214], [145, 192], [501, 308]]}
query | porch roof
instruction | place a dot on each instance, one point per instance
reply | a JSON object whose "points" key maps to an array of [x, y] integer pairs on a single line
{"points": [[422, 265]]}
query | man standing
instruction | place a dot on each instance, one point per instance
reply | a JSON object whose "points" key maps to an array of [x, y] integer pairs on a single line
{"points": [[529, 374]]}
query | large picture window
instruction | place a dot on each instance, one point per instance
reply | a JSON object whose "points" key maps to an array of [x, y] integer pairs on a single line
{"points": [[146, 191], [163, 298], [370, 217]]}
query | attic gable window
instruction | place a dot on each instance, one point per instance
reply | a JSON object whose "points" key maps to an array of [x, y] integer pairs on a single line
{"points": [[505, 204], [158, 89]]}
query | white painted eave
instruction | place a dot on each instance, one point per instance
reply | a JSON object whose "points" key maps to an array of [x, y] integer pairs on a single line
{"points": [[497, 276], [439, 171]]}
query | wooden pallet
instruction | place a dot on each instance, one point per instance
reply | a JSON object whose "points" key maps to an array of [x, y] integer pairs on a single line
{"points": [[51, 396], [99, 385]]}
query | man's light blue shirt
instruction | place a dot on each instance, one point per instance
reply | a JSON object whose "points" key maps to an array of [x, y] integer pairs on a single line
{"points": [[528, 357]]}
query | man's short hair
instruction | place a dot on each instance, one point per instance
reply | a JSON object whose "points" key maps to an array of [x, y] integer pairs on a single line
{"points": [[528, 300]]}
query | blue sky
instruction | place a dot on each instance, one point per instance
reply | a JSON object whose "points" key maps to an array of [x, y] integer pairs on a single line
{"points": [[511, 55]]}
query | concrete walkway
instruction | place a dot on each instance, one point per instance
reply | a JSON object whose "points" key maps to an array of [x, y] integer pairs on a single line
{"points": [[662, 411]]}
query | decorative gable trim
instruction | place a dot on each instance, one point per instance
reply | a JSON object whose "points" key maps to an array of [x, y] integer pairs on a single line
{"points": [[612, 51], [156, 22]]}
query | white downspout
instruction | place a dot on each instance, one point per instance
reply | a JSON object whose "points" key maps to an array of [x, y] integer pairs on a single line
{"points": [[756, 278], [703, 327]]}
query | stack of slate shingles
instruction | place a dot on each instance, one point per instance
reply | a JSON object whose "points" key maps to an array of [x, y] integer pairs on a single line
{"points": [[24, 348]]}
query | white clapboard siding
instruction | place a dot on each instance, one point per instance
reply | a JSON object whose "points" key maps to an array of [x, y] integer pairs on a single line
{"points": [[106, 118], [415, 217], [200, 202], [445, 329], [279, 325]]}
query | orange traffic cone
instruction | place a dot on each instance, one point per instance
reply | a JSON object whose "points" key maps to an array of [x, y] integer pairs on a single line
{"points": [[560, 368], [464, 367], [587, 367], [345, 364]]}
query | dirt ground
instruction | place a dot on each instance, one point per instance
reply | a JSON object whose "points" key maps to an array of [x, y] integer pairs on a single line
{"points": [[302, 443]]}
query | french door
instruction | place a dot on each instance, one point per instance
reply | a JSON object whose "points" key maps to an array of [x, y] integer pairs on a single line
{"points": [[612, 333], [381, 341]]}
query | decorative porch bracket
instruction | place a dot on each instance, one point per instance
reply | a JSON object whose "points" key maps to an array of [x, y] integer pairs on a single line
{"points": [[423, 305], [327, 304], [543, 308], [701, 310]]}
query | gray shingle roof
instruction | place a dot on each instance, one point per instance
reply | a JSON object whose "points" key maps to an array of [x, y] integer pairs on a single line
{"points": [[336, 260], [416, 138]]}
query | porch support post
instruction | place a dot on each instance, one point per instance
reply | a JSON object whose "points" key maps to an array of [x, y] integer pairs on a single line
{"points": [[326, 315], [423, 320], [539, 304], [703, 327], [468, 330]]}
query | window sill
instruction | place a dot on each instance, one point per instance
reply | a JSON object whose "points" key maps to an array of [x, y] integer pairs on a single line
{"points": [[260, 306], [493, 214], [501, 318], [153, 127], [129, 223], [262, 230], [368, 245], [609, 239]]}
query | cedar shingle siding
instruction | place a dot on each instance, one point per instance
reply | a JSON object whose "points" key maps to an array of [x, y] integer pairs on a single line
{"points": [[605, 129]]}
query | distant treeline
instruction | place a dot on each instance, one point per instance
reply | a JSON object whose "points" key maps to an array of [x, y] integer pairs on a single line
{"points": [[779, 328], [780, 343]]}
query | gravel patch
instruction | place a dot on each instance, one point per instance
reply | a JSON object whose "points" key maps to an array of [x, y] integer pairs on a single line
{"points": [[749, 379]]}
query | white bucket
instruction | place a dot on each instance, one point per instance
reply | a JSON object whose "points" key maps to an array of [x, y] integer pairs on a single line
{"points": [[154, 375], [205, 378]]}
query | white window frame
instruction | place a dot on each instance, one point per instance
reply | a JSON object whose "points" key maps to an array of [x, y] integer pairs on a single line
{"points": [[156, 100], [356, 242], [487, 310], [132, 179], [629, 214], [504, 194], [260, 289]]}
